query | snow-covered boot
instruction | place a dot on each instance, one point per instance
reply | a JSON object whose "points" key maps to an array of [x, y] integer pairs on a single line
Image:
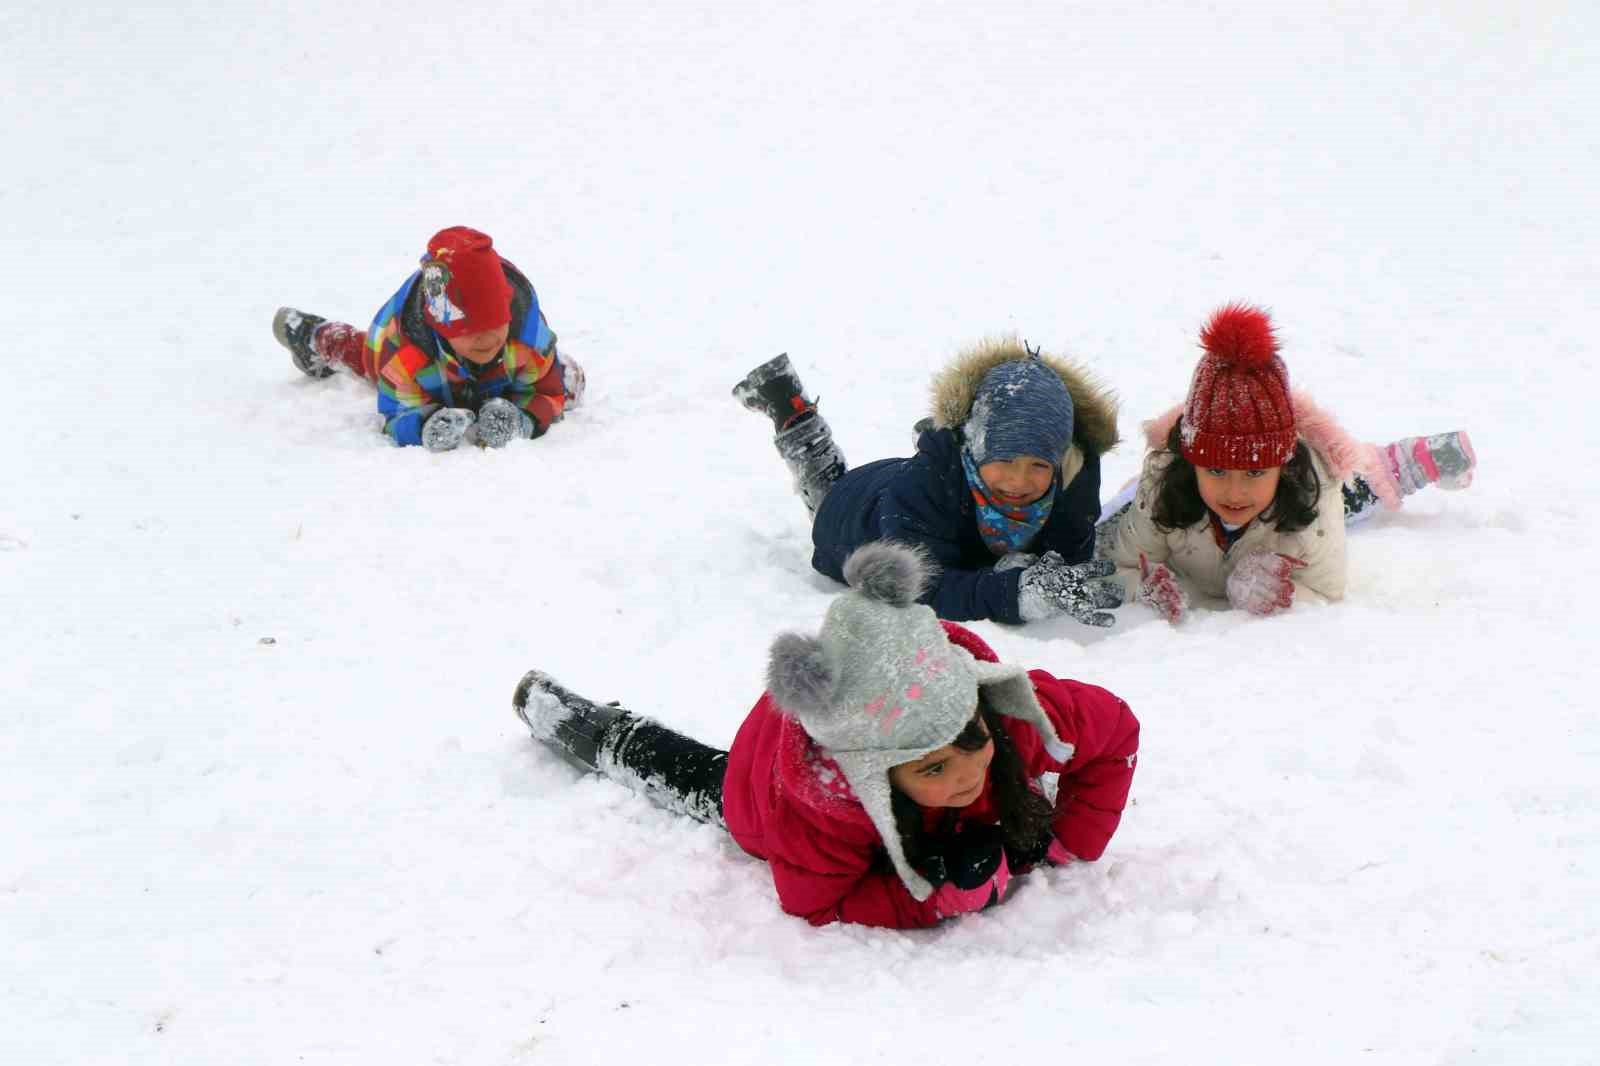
{"points": [[814, 459], [1444, 459], [562, 720], [774, 389], [295, 330]]}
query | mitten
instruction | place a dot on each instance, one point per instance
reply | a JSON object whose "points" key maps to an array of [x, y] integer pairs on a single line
{"points": [[445, 427], [973, 868], [1260, 583], [1159, 589], [1051, 586], [968, 858], [500, 422]]}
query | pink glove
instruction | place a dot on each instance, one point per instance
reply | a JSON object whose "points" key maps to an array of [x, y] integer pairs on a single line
{"points": [[1159, 588], [1058, 855], [950, 900], [1260, 583]]}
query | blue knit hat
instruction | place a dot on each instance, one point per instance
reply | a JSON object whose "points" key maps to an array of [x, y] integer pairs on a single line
{"points": [[1022, 407]]}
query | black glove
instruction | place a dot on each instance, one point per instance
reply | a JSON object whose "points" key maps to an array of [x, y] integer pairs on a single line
{"points": [[966, 859], [1052, 586], [1020, 859]]}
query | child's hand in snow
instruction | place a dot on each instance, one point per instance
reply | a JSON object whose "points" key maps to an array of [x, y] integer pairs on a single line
{"points": [[1260, 583], [1053, 586], [500, 422], [445, 427], [1159, 589], [970, 872]]}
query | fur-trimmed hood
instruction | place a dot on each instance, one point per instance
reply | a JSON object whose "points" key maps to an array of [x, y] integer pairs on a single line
{"points": [[1094, 416], [1343, 453]]}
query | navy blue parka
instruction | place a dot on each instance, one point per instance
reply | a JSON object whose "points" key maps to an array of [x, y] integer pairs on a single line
{"points": [[925, 500]]}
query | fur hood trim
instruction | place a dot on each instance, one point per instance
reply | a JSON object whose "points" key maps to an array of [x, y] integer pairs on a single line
{"points": [[1094, 407], [1342, 453]]}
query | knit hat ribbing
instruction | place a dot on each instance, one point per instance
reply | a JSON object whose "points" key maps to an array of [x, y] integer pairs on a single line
{"points": [[464, 287], [1022, 407], [882, 684], [1238, 415]]}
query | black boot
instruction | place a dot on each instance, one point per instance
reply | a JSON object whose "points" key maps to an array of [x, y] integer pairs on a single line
{"points": [[774, 389], [294, 330], [562, 720]]}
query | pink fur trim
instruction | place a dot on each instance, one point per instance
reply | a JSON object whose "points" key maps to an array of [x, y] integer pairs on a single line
{"points": [[1318, 428]]}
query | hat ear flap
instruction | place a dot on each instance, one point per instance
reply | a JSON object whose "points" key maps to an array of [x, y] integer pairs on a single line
{"points": [[799, 675]]}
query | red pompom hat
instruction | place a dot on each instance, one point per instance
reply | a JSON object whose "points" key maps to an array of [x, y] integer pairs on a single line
{"points": [[1238, 415], [464, 289]]}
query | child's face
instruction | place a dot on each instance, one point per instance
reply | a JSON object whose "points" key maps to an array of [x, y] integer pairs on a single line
{"points": [[946, 777], [1017, 482], [482, 346], [1237, 496]]}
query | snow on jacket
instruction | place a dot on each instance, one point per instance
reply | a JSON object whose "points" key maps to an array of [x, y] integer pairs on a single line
{"points": [[786, 802], [925, 500], [1193, 554], [418, 374]]}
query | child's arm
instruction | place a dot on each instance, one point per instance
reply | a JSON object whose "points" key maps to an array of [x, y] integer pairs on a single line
{"points": [[1094, 783], [1321, 545], [402, 399], [537, 387], [1133, 534], [868, 896], [842, 877], [958, 594]]}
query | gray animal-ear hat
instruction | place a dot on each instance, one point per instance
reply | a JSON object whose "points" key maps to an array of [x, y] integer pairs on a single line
{"points": [[882, 684]]}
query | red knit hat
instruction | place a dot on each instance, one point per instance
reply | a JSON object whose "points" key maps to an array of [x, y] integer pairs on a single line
{"points": [[464, 289], [1238, 415]]}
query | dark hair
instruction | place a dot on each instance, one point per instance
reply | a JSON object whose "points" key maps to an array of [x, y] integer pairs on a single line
{"points": [[1177, 496], [1025, 812]]}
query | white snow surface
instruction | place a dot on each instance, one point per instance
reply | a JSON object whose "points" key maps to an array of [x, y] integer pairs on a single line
{"points": [[263, 798]]}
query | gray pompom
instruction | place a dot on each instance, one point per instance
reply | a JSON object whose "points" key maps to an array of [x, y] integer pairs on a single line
{"points": [[799, 675], [890, 572]]}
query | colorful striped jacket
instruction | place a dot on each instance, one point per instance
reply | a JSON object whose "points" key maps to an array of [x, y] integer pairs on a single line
{"points": [[418, 373]]}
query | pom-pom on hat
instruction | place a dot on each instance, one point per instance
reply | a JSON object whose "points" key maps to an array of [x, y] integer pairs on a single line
{"points": [[464, 288], [882, 684], [1021, 407], [1238, 415]]}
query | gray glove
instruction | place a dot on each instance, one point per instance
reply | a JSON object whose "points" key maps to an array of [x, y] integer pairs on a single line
{"points": [[445, 427], [1052, 586], [500, 422]]}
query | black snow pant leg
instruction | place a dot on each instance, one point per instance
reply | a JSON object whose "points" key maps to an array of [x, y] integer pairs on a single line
{"points": [[674, 771]]}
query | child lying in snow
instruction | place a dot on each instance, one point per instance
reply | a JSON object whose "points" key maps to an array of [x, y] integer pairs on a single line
{"points": [[460, 352], [889, 773], [1003, 492], [1247, 488]]}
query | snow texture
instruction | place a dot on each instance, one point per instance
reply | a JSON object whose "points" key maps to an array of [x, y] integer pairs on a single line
{"points": [[1361, 832]]}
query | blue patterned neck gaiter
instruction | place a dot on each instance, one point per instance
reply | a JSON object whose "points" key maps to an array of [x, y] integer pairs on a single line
{"points": [[1005, 529]]}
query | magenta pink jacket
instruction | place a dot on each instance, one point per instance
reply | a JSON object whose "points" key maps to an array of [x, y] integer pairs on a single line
{"points": [[827, 859]]}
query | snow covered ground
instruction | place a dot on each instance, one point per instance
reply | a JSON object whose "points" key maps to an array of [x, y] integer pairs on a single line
{"points": [[262, 797]]}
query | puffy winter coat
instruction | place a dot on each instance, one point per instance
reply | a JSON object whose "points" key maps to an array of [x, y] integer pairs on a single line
{"points": [[925, 500], [1193, 554], [784, 801], [418, 374]]}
